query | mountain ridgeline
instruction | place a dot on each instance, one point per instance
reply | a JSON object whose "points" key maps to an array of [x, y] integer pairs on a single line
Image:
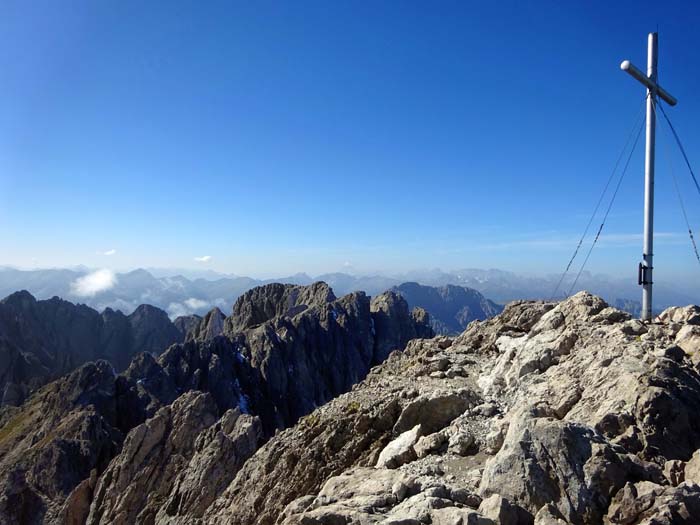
{"points": [[42, 340], [233, 382], [183, 292]]}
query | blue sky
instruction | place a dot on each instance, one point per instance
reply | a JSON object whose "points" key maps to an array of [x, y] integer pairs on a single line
{"points": [[276, 137]]}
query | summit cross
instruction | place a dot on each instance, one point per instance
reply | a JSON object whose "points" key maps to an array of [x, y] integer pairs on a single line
{"points": [[654, 91]]}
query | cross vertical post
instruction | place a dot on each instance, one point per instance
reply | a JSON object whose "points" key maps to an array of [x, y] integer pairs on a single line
{"points": [[649, 80], [649, 161]]}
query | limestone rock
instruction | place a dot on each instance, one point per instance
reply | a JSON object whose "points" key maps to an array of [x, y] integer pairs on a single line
{"points": [[394, 325], [651, 504], [461, 443], [688, 338], [142, 475], [544, 460], [428, 444], [400, 450], [499, 510], [578, 416], [187, 324], [54, 443], [681, 315], [433, 412], [219, 452], [692, 469], [452, 307]]}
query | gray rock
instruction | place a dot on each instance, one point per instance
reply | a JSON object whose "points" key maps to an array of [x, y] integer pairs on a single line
{"points": [[461, 443], [153, 453], [394, 325], [680, 315], [499, 510], [427, 445], [400, 450], [432, 412], [543, 461], [692, 469]]}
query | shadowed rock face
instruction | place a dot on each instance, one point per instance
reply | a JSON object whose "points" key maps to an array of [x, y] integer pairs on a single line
{"points": [[42, 340], [191, 417], [451, 307], [187, 324]]}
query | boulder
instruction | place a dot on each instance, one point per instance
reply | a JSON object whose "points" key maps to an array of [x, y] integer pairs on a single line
{"points": [[499, 510], [433, 412], [427, 445], [544, 460], [688, 338], [691, 473], [400, 450], [680, 315]]}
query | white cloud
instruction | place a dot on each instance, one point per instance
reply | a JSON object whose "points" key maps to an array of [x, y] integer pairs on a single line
{"points": [[347, 264], [109, 252], [177, 309], [93, 283], [195, 303], [187, 307], [203, 258]]}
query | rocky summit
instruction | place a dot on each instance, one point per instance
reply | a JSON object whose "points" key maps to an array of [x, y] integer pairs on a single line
{"points": [[549, 413]]}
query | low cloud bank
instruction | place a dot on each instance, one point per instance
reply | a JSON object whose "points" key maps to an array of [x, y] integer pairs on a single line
{"points": [[93, 283]]}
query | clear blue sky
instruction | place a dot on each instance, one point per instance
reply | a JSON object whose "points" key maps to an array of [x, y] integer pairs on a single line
{"points": [[277, 137]]}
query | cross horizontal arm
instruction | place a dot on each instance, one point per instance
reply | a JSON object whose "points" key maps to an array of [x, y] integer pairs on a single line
{"points": [[652, 86]]}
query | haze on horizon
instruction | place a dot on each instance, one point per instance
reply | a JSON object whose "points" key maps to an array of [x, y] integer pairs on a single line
{"points": [[271, 139]]}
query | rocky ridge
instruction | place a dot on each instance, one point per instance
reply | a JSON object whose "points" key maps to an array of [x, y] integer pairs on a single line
{"points": [[550, 413], [148, 442], [547, 414], [43, 340]]}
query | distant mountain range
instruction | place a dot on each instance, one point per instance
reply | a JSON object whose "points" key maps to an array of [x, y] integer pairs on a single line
{"points": [[200, 291]]}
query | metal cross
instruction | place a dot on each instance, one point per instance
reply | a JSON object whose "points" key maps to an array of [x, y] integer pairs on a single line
{"points": [[650, 81]]}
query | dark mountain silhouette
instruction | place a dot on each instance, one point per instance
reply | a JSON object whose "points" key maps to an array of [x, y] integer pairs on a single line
{"points": [[42, 340], [451, 307]]}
